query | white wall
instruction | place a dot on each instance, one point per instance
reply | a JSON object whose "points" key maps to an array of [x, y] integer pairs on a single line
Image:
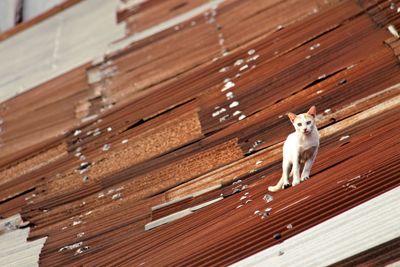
{"points": [[7, 14], [33, 8], [60, 43]]}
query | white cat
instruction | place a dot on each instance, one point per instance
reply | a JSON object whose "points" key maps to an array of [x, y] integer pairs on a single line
{"points": [[299, 149]]}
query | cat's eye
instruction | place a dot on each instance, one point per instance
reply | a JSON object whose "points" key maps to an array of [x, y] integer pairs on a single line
{"points": [[299, 124], [308, 122]]}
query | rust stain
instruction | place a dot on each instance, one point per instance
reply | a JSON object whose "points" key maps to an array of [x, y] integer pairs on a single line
{"points": [[196, 113]]}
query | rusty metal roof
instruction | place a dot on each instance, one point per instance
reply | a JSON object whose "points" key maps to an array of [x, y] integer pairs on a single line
{"points": [[160, 152]]}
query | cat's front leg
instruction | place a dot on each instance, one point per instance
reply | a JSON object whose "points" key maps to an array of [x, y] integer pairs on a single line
{"points": [[296, 171], [305, 175], [286, 165]]}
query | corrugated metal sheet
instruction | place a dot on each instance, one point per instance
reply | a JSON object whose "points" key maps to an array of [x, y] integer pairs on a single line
{"points": [[54, 40], [180, 134], [365, 226]]}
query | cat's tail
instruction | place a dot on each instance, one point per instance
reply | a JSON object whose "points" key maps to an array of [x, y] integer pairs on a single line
{"points": [[276, 187]]}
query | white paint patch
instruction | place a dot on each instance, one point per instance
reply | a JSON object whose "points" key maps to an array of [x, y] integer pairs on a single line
{"points": [[242, 117], [251, 52], [392, 29], [238, 62], [106, 147], [315, 46], [356, 230], [242, 68], [81, 250], [344, 137], [224, 69], [218, 112], [255, 57], [89, 118], [81, 234], [234, 104], [116, 196], [229, 95], [224, 118], [71, 247], [227, 86], [76, 222], [237, 112]]}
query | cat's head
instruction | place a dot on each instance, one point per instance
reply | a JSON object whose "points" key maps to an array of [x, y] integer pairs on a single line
{"points": [[304, 123]]}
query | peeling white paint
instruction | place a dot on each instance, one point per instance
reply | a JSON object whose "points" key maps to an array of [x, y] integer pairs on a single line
{"points": [[229, 95], [224, 69], [218, 112], [315, 46], [251, 52], [242, 68], [228, 85], [71, 247], [392, 29], [237, 112], [238, 62], [224, 118], [234, 104]]}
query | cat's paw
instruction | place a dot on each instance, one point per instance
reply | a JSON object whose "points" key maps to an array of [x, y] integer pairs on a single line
{"points": [[295, 183], [304, 178], [286, 186]]}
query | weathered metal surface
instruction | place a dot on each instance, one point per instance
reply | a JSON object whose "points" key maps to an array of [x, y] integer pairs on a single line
{"points": [[172, 122]]}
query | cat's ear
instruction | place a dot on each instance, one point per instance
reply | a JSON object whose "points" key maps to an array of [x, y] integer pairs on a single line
{"points": [[312, 111], [291, 116]]}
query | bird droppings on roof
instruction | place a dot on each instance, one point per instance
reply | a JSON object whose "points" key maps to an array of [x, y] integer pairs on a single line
{"points": [[159, 152]]}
